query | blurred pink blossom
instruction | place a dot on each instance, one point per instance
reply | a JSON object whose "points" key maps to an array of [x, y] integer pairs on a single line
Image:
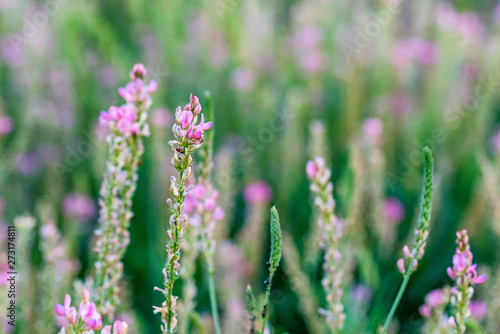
{"points": [[312, 61], [394, 210], [258, 192], [467, 24], [478, 309], [409, 50], [219, 53], [306, 38], [243, 78], [372, 129], [495, 141], [5, 125], [162, 118], [79, 206]]}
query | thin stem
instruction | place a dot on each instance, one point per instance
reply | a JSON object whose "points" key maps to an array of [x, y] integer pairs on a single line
{"points": [[395, 304], [265, 310], [213, 301]]}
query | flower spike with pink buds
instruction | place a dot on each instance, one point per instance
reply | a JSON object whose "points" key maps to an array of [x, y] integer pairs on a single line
{"points": [[128, 125], [85, 319], [464, 274], [188, 138], [331, 229], [409, 263]]}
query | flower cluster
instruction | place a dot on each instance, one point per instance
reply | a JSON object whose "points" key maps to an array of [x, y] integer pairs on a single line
{"points": [[331, 230], [201, 207], [85, 319], [128, 124], [129, 118], [188, 138], [464, 274], [186, 129]]}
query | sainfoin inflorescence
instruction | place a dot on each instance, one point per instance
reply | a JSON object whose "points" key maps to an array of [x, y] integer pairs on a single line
{"points": [[127, 125], [331, 231], [464, 274], [188, 138]]}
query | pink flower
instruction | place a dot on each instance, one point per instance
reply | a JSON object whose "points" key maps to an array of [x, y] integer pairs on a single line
{"points": [[5, 125], [87, 312], [372, 129], [425, 311], [78, 206], [119, 327], [243, 79], [394, 210], [184, 118], [401, 266], [312, 61], [138, 72], [161, 118], [434, 298], [218, 214], [258, 192], [478, 309], [311, 169]]}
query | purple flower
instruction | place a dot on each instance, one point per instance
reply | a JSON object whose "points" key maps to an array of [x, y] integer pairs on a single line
{"points": [[78, 206], [394, 210], [258, 192], [27, 163]]}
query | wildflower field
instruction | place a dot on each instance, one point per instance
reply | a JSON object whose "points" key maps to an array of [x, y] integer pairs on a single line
{"points": [[237, 166]]}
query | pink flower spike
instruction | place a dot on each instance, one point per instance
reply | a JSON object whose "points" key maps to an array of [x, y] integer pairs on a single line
{"points": [[60, 310], [451, 322], [401, 266]]}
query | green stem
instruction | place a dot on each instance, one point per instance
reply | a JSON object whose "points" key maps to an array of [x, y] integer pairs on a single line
{"points": [[265, 310], [213, 301], [395, 304]]}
